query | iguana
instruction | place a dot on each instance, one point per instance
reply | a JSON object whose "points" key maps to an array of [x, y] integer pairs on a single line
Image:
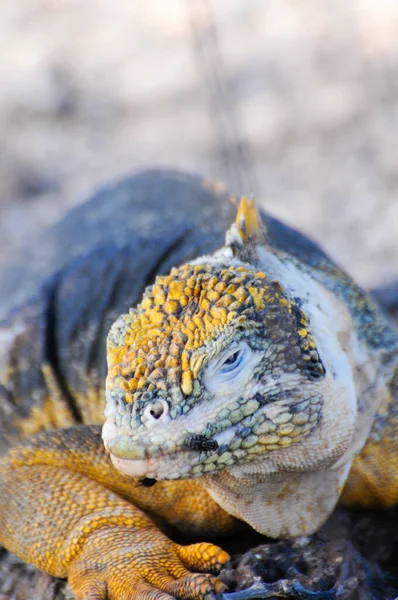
{"points": [[255, 384]]}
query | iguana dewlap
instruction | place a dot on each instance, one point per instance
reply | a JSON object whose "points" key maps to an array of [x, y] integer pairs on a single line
{"points": [[252, 384]]}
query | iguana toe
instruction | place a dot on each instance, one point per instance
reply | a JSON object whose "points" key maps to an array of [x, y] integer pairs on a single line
{"points": [[154, 569], [203, 557]]}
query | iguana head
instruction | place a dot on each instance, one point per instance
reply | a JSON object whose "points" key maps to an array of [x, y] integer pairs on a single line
{"points": [[215, 367]]}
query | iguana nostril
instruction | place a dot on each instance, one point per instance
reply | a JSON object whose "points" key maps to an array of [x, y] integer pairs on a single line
{"points": [[156, 410], [155, 413]]}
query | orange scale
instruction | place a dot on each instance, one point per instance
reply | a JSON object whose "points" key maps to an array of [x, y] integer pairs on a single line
{"points": [[116, 369], [171, 362], [142, 383], [240, 294], [173, 374], [170, 307], [186, 383], [157, 374], [176, 290], [167, 279], [133, 385], [225, 301], [174, 349], [219, 313], [186, 332], [160, 298], [198, 321], [180, 336], [231, 289], [124, 385], [129, 369], [213, 296], [140, 370], [171, 320], [184, 360], [146, 303], [188, 292], [184, 300], [212, 282], [205, 304]]}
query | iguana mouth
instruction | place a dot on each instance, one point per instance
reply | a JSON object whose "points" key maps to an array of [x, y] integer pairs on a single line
{"points": [[167, 467], [181, 460], [194, 447]]}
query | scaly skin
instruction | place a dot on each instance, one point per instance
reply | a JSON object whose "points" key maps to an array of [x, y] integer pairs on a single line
{"points": [[285, 426], [373, 481], [65, 509], [287, 420]]}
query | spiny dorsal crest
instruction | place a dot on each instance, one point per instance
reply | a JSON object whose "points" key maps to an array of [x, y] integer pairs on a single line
{"points": [[247, 232]]}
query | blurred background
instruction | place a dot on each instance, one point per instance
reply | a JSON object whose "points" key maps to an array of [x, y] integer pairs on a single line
{"points": [[295, 101]]}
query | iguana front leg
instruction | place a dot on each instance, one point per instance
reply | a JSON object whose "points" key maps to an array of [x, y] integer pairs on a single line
{"points": [[71, 525]]}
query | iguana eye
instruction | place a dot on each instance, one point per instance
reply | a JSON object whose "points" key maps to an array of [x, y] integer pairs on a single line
{"points": [[232, 362], [233, 365]]}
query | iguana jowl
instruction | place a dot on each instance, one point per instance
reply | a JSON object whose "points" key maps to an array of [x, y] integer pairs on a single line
{"points": [[274, 356]]}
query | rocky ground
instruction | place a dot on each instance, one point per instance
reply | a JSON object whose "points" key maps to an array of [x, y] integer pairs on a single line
{"points": [[353, 557]]}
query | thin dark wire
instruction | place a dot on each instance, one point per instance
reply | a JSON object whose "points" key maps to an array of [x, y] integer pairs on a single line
{"points": [[233, 150]]}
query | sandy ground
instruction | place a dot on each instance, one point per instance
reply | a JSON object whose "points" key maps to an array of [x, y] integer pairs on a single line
{"points": [[293, 101]]}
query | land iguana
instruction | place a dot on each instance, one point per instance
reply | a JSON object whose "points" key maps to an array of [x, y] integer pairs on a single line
{"points": [[255, 384]]}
